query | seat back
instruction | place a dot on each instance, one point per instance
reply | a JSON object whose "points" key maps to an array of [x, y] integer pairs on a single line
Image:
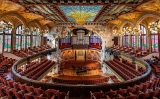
{"points": [[131, 97], [98, 95], [18, 95]]}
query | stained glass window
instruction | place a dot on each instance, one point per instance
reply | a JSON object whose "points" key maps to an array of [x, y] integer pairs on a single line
{"points": [[126, 39], [23, 41], [7, 37], [28, 43], [123, 40], [1, 40], [81, 11], [95, 39], [139, 41], [36, 38], [18, 37], [134, 41], [143, 37], [154, 41]]}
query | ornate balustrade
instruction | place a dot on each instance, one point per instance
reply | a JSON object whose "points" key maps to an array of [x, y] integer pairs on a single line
{"points": [[79, 89]]}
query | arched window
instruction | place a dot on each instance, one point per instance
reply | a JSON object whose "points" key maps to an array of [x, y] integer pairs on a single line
{"points": [[143, 37], [18, 37], [28, 39], [125, 38], [36, 40], [134, 41], [95, 39], [1, 40], [154, 40], [92, 37], [7, 30]]}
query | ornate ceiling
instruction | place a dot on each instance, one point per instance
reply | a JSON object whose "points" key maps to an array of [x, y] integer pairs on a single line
{"points": [[10, 6], [71, 11], [57, 10]]}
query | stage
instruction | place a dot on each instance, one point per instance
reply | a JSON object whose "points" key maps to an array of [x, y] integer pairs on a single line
{"points": [[91, 73]]}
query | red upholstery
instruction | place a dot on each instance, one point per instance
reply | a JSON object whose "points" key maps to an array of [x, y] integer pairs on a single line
{"points": [[19, 95], [39, 91]]}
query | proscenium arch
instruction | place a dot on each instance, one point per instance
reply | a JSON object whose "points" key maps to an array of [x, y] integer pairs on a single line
{"points": [[16, 15]]}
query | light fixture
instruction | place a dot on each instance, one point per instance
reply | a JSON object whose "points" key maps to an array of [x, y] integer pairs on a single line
{"points": [[6, 26], [154, 26]]}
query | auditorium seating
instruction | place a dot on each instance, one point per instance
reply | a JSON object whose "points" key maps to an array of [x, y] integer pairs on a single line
{"points": [[114, 79], [35, 69], [5, 64], [126, 71], [30, 50], [130, 50], [14, 90], [97, 46], [146, 90], [64, 45]]}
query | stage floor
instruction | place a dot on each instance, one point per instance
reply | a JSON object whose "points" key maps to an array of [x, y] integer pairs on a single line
{"points": [[93, 71]]}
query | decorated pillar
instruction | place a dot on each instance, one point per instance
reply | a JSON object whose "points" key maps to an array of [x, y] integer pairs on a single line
{"points": [[103, 50]]}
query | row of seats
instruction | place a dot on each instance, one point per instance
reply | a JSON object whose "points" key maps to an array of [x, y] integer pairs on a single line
{"points": [[19, 53], [118, 70], [30, 50], [35, 69], [97, 46], [114, 79], [129, 73], [125, 69], [147, 90], [131, 50], [64, 45], [140, 69], [136, 72], [14, 90], [5, 64]]}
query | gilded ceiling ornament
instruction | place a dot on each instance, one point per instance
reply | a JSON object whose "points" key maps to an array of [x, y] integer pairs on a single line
{"points": [[130, 16], [31, 16], [44, 22], [153, 5], [116, 22], [6, 5]]}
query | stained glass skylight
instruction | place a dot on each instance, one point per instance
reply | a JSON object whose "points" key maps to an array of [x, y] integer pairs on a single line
{"points": [[87, 11]]}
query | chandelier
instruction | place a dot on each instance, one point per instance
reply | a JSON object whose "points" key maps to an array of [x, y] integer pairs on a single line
{"points": [[132, 31], [118, 32], [129, 30], [154, 26], [80, 16], [6, 26]]}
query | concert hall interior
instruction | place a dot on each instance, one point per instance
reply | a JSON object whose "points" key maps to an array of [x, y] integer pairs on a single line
{"points": [[79, 49]]}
